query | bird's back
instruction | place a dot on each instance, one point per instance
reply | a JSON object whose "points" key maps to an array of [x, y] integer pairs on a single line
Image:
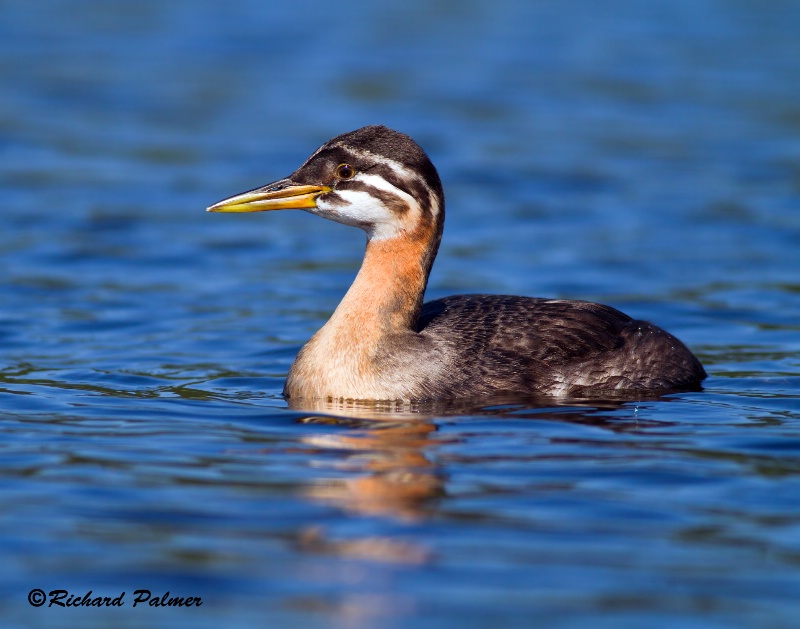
{"points": [[498, 343]]}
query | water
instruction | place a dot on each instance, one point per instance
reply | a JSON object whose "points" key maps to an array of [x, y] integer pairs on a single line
{"points": [[642, 154]]}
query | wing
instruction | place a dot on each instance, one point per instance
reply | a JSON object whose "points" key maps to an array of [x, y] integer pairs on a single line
{"points": [[523, 344]]}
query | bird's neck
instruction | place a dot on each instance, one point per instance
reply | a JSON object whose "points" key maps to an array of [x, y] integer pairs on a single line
{"points": [[387, 294], [345, 359]]}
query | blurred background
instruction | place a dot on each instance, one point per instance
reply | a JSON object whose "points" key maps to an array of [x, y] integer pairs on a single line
{"points": [[599, 133], [641, 153]]}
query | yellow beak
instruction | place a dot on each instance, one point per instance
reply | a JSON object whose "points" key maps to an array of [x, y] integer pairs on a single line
{"points": [[281, 195]]}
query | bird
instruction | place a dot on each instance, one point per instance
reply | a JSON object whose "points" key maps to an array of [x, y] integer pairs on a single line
{"points": [[383, 342]]}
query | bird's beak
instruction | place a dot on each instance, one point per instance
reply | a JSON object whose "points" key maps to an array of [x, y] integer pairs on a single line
{"points": [[281, 195]]}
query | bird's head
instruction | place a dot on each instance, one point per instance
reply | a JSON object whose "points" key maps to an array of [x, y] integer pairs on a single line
{"points": [[374, 178]]}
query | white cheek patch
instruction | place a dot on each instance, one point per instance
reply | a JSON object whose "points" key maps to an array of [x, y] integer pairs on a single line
{"points": [[359, 208]]}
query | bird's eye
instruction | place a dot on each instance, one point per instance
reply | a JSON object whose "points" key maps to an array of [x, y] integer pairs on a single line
{"points": [[345, 171]]}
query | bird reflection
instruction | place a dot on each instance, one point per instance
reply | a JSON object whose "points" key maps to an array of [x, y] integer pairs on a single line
{"points": [[387, 451], [392, 474]]}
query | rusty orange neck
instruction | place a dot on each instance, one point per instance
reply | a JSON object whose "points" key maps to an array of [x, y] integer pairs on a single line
{"points": [[387, 293], [345, 359]]}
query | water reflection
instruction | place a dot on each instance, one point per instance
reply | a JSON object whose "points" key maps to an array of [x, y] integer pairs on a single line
{"points": [[393, 410], [390, 472], [371, 414], [387, 465]]}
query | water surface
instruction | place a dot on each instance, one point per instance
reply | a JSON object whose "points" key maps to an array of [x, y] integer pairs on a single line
{"points": [[645, 155]]}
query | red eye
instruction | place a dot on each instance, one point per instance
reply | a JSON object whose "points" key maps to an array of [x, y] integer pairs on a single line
{"points": [[345, 171]]}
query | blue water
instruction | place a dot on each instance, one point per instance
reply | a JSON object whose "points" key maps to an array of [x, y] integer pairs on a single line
{"points": [[642, 154]]}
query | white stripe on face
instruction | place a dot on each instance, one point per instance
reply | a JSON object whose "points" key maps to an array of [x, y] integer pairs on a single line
{"points": [[359, 208], [405, 174]]}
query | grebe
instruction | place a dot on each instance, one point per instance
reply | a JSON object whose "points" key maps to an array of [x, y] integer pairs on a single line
{"points": [[383, 343]]}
